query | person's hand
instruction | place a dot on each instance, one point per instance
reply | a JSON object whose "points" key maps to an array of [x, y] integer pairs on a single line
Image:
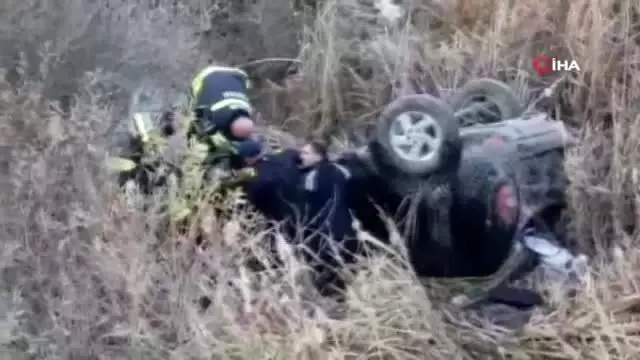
{"points": [[234, 177]]}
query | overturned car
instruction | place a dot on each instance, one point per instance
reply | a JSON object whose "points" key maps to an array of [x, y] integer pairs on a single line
{"points": [[476, 183]]}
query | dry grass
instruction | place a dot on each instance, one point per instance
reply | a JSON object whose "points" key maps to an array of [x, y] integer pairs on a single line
{"points": [[86, 276]]}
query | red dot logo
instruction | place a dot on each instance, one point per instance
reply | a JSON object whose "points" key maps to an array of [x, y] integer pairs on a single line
{"points": [[542, 64]]}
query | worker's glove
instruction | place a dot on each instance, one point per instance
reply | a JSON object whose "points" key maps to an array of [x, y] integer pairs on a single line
{"points": [[234, 179], [244, 173]]}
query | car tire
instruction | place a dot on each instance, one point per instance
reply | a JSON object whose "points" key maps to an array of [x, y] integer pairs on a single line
{"points": [[416, 135], [493, 91]]}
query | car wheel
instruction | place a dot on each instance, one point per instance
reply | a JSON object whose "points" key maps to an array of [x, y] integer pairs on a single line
{"points": [[417, 134], [486, 101]]}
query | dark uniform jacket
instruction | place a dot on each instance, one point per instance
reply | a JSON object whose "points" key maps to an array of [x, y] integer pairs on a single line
{"points": [[274, 190], [326, 209]]}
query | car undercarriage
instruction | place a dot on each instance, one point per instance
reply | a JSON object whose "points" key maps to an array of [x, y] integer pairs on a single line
{"points": [[475, 183]]}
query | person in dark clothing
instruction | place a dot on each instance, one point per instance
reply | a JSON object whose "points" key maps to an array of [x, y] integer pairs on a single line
{"points": [[305, 188], [330, 237], [273, 188]]}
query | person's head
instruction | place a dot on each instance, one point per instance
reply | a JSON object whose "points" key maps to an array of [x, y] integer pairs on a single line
{"points": [[249, 150], [312, 153], [243, 127]]}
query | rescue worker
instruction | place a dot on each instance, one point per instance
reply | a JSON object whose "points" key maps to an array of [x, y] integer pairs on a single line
{"points": [[220, 117], [330, 237], [221, 107]]}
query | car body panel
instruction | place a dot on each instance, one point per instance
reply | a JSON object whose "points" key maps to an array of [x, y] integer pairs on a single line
{"points": [[492, 155]]}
